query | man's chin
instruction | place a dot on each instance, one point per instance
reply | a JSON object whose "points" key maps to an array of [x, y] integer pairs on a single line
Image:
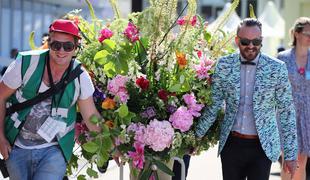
{"points": [[250, 57]]}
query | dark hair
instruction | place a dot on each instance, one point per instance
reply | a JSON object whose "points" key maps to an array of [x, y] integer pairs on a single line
{"points": [[299, 27], [13, 53], [249, 22], [3, 70]]}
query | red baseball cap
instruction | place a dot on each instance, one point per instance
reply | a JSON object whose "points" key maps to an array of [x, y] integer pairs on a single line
{"points": [[65, 26]]}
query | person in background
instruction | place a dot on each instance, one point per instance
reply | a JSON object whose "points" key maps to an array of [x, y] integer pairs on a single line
{"points": [[13, 53], [44, 42], [253, 86], [37, 141], [297, 60]]}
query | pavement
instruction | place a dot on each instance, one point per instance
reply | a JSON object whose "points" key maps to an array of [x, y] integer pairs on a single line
{"points": [[206, 166]]}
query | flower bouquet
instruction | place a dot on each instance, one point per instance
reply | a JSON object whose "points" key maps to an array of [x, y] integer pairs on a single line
{"points": [[152, 72]]}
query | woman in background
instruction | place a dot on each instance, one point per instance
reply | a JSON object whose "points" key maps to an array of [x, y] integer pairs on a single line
{"points": [[297, 61]]}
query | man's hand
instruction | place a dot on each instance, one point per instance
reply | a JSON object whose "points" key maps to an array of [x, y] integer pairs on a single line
{"points": [[290, 167], [5, 147]]}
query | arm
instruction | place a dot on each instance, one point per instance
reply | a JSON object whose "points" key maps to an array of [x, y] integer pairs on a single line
{"points": [[87, 109], [209, 115], [5, 93], [287, 115]]}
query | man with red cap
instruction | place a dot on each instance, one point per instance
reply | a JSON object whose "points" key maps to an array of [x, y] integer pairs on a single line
{"points": [[37, 140]]}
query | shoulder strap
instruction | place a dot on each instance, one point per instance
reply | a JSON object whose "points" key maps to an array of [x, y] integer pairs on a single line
{"points": [[41, 96]]}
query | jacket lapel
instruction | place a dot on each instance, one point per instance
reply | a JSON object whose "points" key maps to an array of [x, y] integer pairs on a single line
{"points": [[260, 75], [236, 71]]}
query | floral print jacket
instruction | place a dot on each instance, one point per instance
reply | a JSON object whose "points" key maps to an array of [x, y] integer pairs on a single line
{"points": [[272, 100]]}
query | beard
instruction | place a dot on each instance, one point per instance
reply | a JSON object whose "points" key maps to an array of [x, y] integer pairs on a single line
{"points": [[249, 53]]}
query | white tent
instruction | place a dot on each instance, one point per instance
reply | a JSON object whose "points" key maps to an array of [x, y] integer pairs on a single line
{"points": [[231, 24], [273, 28]]}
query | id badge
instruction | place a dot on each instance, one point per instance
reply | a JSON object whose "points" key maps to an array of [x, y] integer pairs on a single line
{"points": [[307, 75], [50, 128]]}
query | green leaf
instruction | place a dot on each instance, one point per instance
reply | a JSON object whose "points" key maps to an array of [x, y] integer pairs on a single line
{"points": [[92, 173], [175, 88], [109, 69], [109, 45], [101, 57], [94, 119], [146, 173], [107, 143], [207, 36], [163, 167], [81, 177], [90, 147], [123, 110], [128, 118], [102, 158]]}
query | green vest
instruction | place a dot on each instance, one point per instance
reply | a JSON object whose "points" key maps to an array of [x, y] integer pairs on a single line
{"points": [[33, 64]]}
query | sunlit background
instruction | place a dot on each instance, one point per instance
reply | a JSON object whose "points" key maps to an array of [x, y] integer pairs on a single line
{"points": [[19, 17]]}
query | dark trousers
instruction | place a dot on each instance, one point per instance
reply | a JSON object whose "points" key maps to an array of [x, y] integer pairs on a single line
{"points": [[244, 159], [177, 169]]}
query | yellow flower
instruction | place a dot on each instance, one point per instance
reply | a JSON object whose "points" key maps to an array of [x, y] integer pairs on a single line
{"points": [[181, 59], [108, 103]]}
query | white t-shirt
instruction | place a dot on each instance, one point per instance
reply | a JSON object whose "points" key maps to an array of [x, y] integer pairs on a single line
{"points": [[28, 137], [13, 79]]}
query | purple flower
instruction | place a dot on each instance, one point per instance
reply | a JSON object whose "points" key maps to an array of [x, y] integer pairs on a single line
{"points": [[171, 109], [98, 95], [149, 113]]}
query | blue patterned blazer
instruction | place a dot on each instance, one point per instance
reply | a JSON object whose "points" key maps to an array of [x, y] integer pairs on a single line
{"points": [[272, 94]]}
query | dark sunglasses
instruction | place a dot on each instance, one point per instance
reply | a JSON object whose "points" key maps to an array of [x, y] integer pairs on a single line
{"points": [[56, 46], [246, 42]]}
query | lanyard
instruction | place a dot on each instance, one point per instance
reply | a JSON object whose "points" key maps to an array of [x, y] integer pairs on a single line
{"points": [[51, 81]]}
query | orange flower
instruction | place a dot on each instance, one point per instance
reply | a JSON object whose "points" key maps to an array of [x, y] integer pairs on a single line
{"points": [[108, 103], [181, 59], [109, 123]]}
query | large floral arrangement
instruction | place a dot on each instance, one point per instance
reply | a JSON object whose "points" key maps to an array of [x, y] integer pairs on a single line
{"points": [[152, 73]]}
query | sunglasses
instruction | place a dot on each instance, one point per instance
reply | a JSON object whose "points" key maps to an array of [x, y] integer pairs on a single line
{"points": [[246, 42], [56, 46]]}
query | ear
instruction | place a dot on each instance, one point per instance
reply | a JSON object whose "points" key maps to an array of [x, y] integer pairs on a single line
{"points": [[237, 40]]}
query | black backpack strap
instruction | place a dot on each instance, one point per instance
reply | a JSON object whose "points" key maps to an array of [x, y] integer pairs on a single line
{"points": [[51, 91]]}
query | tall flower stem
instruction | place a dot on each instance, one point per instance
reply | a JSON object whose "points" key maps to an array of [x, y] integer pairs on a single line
{"points": [[172, 26]]}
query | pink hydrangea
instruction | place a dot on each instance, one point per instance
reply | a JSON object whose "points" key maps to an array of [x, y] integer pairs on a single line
{"points": [[117, 87], [182, 119], [137, 156], [132, 32], [123, 95], [139, 130], [105, 34], [117, 83], [203, 68], [158, 135]]}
